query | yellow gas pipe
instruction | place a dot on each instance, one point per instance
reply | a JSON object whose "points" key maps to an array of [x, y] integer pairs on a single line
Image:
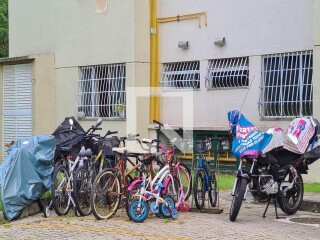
{"points": [[154, 52]]}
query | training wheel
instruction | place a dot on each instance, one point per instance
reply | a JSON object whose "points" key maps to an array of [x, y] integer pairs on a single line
{"points": [[174, 214]]}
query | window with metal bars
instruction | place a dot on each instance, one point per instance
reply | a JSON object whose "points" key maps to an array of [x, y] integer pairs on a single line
{"points": [[101, 91], [181, 75], [286, 86], [228, 73]]}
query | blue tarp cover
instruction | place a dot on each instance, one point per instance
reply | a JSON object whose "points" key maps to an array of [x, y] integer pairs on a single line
{"points": [[247, 140], [26, 172]]}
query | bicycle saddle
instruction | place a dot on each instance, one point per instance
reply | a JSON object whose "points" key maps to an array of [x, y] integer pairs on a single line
{"points": [[87, 153], [119, 150]]}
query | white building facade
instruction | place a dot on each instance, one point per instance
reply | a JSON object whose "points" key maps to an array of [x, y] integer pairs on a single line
{"points": [[207, 57]]}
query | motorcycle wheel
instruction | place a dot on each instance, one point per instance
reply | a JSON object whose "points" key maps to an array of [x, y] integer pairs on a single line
{"points": [[261, 197], [291, 201], [237, 198]]}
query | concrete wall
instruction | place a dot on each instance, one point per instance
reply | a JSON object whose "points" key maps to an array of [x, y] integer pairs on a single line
{"points": [[43, 93], [73, 31], [314, 175], [251, 28], [78, 36]]}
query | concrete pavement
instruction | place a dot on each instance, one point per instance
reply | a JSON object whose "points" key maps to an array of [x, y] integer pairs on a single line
{"points": [[191, 225]]}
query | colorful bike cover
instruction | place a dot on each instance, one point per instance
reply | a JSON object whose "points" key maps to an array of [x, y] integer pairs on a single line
{"points": [[26, 172], [247, 140]]}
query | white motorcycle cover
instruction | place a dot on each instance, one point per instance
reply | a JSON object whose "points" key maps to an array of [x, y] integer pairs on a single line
{"points": [[298, 135]]}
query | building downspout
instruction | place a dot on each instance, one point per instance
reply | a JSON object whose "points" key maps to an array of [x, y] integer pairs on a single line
{"points": [[154, 52], [154, 63]]}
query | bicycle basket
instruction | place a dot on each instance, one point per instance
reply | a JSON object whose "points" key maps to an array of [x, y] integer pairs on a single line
{"points": [[108, 144], [203, 146]]}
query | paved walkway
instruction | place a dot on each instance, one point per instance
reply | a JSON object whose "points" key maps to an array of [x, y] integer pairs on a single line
{"points": [[191, 225]]}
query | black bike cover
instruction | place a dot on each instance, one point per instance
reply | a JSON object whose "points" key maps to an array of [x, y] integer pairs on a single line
{"points": [[65, 137]]}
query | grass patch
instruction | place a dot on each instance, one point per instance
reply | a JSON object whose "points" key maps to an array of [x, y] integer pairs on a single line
{"points": [[312, 187], [225, 181]]}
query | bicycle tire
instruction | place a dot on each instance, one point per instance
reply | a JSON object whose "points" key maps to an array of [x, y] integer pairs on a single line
{"points": [[82, 186], [198, 189], [238, 198], [186, 180], [130, 197], [166, 211], [213, 194], [60, 196], [106, 194], [138, 213], [173, 190]]}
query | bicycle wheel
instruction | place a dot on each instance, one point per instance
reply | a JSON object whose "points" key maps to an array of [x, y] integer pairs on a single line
{"points": [[186, 180], [81, 191], [213, 193], [131, 196], [198, 189], [106, 194], [138, 210], [173, 189], [238, 198], [60, 198], [167, 209]]}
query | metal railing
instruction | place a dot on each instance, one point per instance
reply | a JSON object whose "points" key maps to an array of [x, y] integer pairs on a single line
{"points": [[286, 85], [228, 73], [181, 75], [101, 91]]}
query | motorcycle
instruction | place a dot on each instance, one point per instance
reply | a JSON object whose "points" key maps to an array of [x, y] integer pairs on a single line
{"points": [[275, 175]]}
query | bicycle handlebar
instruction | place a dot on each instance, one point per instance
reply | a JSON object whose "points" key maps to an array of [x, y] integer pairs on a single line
{"points": [[159, 123], [110, 133]]}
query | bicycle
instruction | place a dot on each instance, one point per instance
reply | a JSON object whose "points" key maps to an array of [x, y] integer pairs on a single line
{"points": [[170, 179], [66, 183], [138, 209], [105, 157], [205, 178], [112, 183], [185, 177], [72, 178]]}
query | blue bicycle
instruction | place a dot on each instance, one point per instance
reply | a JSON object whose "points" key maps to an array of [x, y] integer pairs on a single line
{"points": [[205, 178]]}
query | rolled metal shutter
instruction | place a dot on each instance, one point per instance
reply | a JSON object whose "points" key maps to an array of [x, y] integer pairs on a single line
{"points": [[17, 102]]}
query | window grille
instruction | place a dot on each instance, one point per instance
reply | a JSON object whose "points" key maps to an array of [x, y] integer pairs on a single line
{"points": [[286, 87], [101, 91], [181, 75], [228, 73]]}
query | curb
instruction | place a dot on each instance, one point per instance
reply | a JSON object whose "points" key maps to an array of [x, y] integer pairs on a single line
{"points": [[30, 210], [310, 206]]}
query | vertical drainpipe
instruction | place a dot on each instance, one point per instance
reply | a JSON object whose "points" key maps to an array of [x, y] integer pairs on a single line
{"points": [[154, 62]]}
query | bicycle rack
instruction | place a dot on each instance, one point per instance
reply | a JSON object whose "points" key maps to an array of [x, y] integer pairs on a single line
{"points": [[208, 208]]}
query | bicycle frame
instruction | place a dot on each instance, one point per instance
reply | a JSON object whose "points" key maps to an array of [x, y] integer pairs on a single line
{"points": [[71, 167], [203, 165], [164, 172]]}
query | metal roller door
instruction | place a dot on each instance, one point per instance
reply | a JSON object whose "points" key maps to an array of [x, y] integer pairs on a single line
{"points": [[17, 102]]}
